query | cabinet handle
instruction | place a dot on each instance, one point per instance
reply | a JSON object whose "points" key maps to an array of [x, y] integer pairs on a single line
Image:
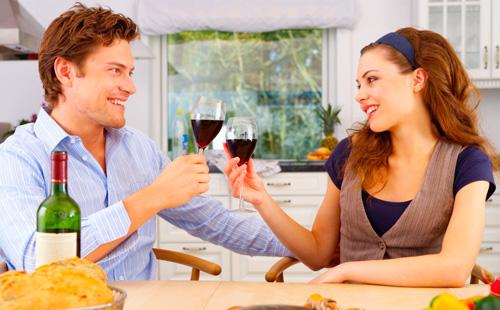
{"points": [[486, 249], [194, 249], [497, 57], [278, 184], [283, 201], [485, 57]]}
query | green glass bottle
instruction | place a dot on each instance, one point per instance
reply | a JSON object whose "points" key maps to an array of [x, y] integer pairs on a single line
{"points": [[58, 217]]}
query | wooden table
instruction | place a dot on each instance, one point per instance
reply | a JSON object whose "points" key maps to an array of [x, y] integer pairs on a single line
{"points": [[222, 295]]}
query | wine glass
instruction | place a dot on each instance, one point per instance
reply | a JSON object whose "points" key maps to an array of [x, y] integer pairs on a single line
{"points": [[241, 139], [207, 118]]}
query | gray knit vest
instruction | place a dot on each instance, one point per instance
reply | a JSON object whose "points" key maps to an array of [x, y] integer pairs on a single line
{"points": [[421, 227]]}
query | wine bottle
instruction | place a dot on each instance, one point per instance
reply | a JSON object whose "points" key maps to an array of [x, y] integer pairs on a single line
{"points": [[58, 217]]}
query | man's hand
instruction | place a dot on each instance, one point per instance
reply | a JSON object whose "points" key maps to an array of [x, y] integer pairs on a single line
{"points": [[184, 178]]}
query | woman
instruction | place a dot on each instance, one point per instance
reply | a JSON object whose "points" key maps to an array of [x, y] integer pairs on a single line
{"points": [[405, 202]]}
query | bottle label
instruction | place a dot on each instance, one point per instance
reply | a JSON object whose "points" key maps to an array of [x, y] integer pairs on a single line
{"points": [[51, 247]]}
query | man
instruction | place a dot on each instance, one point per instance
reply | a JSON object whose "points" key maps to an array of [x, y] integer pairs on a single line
{"points": [[117, 175]]}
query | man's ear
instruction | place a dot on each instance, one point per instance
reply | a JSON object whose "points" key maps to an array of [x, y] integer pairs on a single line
{"points": [[65, 71], [419, 81]]}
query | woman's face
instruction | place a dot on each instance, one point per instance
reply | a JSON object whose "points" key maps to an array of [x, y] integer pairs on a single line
{"points": [[384, 94]]}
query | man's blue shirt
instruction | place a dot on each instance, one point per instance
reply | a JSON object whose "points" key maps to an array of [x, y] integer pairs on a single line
{"points": [[133, 161]]}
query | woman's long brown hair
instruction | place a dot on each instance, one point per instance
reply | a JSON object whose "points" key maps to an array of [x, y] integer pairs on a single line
{"points": [[449, 94]]}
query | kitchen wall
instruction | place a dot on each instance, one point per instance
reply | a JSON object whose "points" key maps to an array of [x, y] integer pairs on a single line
{"points": [[22, 94]]}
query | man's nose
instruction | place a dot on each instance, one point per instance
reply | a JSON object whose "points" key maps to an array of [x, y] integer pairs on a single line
{"points": [[128, 85]]}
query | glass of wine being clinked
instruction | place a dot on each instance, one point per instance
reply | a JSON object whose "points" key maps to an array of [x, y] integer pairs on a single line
{"points": [[241, 139], [207, 118]]}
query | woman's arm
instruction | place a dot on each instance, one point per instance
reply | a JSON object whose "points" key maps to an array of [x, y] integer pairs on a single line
{"points": [[314, 248], [449, 268]]}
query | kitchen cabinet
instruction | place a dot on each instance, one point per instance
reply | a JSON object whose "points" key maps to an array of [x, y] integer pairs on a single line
{"points": [[473, 28], [489, 255], [298, 193]]}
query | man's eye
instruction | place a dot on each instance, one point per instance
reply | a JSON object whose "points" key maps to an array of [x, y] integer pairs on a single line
{"points": [[115, 70]]}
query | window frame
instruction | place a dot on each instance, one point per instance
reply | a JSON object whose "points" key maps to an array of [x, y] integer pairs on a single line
{"points": [[330, 85]]}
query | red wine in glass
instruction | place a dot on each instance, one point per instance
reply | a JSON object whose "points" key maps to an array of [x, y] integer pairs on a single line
{"points": [[242, 148], [241, 139], [205, 130], [207, 118]]}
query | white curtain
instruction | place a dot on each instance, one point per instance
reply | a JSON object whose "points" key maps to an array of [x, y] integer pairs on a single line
{"points": [[157, 17]]}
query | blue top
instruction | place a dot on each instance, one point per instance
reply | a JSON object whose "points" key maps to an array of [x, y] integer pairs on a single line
{"points": [[132, 162], [472, 165]]}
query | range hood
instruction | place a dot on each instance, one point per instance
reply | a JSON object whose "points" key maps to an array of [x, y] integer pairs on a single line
{"points": [[20, 33]]}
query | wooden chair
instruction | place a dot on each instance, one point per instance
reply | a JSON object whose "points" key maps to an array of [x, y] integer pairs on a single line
{"points": [[275, 273], [197, 264]]}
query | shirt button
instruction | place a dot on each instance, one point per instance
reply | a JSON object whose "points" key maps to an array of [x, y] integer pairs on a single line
{"points": [[84, 157], [72, 141]]}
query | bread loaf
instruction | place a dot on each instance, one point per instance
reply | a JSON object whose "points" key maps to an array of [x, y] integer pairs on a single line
{"points": [[68, 283]]}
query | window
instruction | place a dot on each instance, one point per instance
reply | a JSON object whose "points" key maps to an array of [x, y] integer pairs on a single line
{"points": [[276, 77]]}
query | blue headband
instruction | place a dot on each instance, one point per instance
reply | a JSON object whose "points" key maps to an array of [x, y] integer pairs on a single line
{"points": [[401, 44]]}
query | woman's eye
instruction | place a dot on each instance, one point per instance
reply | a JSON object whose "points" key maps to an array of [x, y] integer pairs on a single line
{"points": [[371, 79]]}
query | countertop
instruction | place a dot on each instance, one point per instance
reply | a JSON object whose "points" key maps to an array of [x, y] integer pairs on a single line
{"points": [[292, 166], [223, 295]]}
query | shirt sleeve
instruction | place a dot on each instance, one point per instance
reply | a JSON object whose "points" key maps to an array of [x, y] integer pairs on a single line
{"points": [[206, 218], [334, 166], [473, 165], [22, 189]]}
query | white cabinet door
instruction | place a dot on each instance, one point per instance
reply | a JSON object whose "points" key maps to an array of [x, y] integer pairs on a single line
{"points": [[170, 233], [303, 210], [495, 39], [467, 25], [246, 268], [489, 255], [295, 183], [210, 252]]}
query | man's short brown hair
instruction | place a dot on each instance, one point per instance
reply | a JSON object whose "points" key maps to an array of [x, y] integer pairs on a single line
{"points": [[74, 35]]}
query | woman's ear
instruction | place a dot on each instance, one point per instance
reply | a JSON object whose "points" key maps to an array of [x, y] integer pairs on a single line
{"points": [[420, 77], [65, 71]]}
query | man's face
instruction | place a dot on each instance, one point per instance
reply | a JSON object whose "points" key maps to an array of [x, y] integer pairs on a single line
{"points": [[99, 92]]}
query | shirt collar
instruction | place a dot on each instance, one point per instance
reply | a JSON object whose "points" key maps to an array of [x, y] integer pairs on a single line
{"points": [[49, 131]]}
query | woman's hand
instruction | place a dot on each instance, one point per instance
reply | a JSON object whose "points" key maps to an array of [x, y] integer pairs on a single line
{"points": [[245, 176], [333, 275]]}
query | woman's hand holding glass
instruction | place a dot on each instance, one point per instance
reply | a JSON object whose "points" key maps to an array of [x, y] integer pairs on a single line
{"points": [[244, 178]]}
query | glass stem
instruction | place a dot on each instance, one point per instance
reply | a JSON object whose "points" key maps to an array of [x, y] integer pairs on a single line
{"points": [[201, 151], [240, 204]]}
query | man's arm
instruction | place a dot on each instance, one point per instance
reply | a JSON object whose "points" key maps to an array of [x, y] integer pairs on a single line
{"points": [[206, 218], [22, 189]]}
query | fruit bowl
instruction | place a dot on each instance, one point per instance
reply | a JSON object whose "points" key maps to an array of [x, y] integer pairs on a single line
{"points": [[117, 304]]}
